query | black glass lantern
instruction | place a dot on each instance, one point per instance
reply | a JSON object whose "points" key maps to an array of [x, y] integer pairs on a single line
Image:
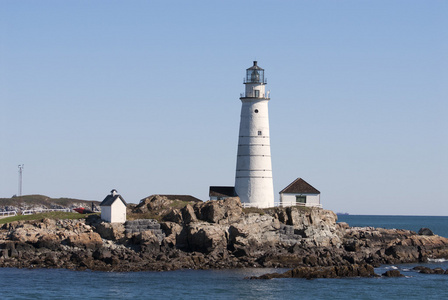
{"points": [[255, 74]]}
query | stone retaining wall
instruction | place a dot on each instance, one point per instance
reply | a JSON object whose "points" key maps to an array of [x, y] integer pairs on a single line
{"points": [[141, 225]]}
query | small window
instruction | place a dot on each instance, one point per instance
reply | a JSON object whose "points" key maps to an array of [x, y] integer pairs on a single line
{"points": [[256, 111], [301, 199], [259, 132], [257, 93]]}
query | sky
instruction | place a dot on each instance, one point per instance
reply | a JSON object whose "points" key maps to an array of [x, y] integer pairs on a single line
{"points": [[143, 97]]}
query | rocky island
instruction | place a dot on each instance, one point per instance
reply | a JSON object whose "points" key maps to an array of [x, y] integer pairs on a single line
{"points": [[164, 235]]}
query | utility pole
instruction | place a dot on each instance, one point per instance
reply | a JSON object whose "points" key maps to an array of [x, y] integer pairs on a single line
{"points": [[20, 178]]}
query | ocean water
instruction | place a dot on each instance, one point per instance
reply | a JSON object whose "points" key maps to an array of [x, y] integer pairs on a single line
{"points": [[230, 284], [439, 225]]}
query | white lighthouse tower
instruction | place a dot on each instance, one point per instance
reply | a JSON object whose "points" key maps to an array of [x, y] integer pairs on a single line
{"points": [[253, 180]]}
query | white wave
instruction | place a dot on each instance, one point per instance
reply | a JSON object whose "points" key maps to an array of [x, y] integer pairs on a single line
{"points": [[406, 270], [437, 259]]}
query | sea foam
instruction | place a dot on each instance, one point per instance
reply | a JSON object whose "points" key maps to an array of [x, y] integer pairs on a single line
{"points": [[438, 260]]}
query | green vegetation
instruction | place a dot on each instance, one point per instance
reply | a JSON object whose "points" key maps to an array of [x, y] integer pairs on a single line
{"points": [[254, 210], [130, 216], [157, 213], [304, 208], [271, 211], [57, 215], [31, 200], [180, 204]]}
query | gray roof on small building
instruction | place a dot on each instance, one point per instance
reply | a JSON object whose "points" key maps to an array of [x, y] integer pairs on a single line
{"points": [[299, 186], [111, 199], [222, 191]]}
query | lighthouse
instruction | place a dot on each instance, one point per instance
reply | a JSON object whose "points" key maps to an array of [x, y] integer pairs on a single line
{"points": [[253, 178]]}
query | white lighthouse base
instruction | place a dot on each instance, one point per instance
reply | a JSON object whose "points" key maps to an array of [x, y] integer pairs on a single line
{"points": [[255, 192]]}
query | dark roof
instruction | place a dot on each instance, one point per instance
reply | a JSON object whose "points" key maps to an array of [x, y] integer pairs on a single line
{"points": [[222, 191], [111, 199], [179, 197], [299, 186], [255, 66]]}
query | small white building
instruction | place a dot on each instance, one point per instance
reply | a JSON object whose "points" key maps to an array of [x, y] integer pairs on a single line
{"points": [[299, 192], [113, 208]]}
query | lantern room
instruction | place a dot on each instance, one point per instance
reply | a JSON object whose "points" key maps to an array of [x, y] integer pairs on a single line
{"points": [[255, 74]]}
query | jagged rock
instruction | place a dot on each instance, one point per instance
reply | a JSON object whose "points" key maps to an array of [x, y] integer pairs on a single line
{"points": [[324, 272], [25, 234], [393, 273], [343, 225], [188, 214], [283, 216], [93, 220], [426, 270], [103, 254], [215, 234], [425, 231], [47, 224], [148, 241], [110, 231], [90, 240], [49, 241], [225, 211], [155, 202], [175, 215], [175, 234], [50, 259], [352, 245], [389, 246], [172, 230], [403, 253], [205, 238], [254, 235]]}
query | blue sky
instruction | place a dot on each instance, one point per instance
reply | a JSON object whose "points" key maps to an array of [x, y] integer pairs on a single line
{"points": [[143, 96]]}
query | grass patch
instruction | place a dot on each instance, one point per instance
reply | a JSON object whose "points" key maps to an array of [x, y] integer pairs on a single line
{"points": [[180, 204], [157, 214], [254, 210], [57, 215], [149, 215], [304, 208]]}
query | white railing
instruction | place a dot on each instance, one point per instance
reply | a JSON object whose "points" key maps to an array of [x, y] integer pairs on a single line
{"points": [[8, 213], [287, 204], [280, 204], [36, 211], [254, 95]]}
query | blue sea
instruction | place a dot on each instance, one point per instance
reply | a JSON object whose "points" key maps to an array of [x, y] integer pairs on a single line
{"points": [[230, 284]]}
